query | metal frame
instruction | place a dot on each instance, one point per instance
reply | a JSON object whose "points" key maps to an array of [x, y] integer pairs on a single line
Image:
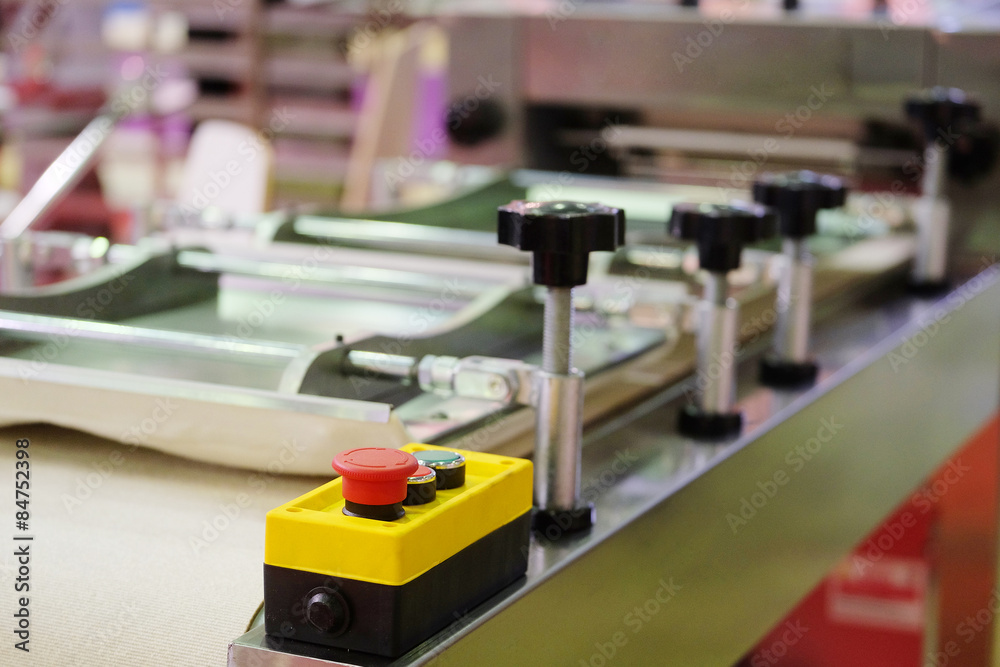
{"points": [[873, 429]]}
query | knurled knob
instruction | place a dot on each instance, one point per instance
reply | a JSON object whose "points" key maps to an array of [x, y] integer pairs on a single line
{"points": [[561, 235], [938, 108], [797, 197], [721, 231]]}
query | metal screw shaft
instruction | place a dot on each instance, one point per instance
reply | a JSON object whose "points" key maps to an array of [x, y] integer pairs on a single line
{"points": [[557, 349]]}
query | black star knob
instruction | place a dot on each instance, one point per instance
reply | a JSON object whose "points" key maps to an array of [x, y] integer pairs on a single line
{"points": [[797, 197], [472, 127], [722, 230], [561, 235], [939, 108]]}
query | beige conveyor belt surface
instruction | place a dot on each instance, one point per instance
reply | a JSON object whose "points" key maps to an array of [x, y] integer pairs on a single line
{"points": [[124, 569]]}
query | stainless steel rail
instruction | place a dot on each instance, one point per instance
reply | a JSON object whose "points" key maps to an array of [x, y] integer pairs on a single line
{"points": [[64, 173], [672, 569]]}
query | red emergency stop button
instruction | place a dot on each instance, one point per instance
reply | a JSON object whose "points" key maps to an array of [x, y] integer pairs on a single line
{"points": [[374, 482]]}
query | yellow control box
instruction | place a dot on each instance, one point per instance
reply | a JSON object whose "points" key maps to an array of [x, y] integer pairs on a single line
{"points": [[391, 584]]}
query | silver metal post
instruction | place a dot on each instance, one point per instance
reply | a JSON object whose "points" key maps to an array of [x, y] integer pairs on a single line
{"points": [[791, 339], [717, 346], [558, 409], [558, 440], [931, 214], [935, 160]]}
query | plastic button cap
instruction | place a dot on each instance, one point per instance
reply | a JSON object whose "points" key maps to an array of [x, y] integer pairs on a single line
{"points": [[374, 475]]}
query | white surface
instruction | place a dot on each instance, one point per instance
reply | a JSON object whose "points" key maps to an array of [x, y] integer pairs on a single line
{"points": [[118, 576], [228, 167], [242, 436]]}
